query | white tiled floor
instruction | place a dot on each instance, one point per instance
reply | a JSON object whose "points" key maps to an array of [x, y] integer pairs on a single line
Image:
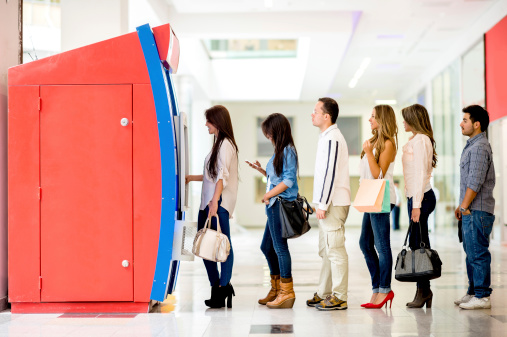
{"points": [[188, 316]]}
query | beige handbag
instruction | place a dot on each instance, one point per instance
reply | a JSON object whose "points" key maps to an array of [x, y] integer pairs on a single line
{"points": [[210, 244]]}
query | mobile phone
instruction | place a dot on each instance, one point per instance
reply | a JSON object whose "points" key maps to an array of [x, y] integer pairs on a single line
{"points": [[249, 162]]}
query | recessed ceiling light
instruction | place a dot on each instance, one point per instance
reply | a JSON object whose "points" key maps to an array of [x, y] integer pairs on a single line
{"points": [[359, 72], [390, 36]]}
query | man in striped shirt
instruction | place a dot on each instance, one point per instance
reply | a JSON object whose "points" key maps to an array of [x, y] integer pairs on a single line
{"points": [[331, 193]]}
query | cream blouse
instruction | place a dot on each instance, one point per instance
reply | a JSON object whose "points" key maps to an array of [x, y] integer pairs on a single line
{"points": [[227, 171], [417, 167]]}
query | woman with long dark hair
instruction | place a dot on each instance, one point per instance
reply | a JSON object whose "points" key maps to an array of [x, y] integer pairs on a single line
{"points": [[281, 172], [419, 159], [377, 162], [218, 197]]}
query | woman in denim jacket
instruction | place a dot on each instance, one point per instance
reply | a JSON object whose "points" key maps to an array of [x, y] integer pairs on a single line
{"points": [[281, 172]]}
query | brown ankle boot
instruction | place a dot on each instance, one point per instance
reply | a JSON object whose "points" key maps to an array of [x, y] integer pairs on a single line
{"points": [[425, 297], [286, 297], [273, 292], [417, 295]]}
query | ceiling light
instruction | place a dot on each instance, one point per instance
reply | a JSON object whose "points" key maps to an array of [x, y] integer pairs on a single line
{"points": [[385, 101], [390, 36], [268, 3], [359, 72]]}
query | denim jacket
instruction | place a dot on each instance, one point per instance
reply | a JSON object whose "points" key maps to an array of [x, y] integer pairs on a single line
{"points": [[288, 176]]}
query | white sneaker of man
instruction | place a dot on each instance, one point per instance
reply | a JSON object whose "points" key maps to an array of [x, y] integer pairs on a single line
{"points": [[476, 303], [464, 299]]}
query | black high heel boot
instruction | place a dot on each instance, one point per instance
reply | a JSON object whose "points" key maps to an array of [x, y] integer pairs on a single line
{"points": [[214, 294], [230, 293], [223, 293]]}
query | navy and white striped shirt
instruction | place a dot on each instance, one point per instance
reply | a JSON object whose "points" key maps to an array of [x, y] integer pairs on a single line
{"points": [[477, 172], [331, 182]]}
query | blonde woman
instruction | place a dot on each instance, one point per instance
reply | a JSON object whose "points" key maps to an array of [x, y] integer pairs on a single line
{"points": [[377, 162], [419, 159]]}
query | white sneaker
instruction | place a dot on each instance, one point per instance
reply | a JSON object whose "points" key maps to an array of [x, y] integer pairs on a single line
{"points": [[464, 299], [477, 303]]}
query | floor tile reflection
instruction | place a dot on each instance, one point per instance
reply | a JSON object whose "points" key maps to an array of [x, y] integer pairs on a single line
{"points": [[272, 329], [183, 314]]}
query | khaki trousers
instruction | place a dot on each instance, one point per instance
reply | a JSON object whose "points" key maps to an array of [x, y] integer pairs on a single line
{"points": [[334, 272]]}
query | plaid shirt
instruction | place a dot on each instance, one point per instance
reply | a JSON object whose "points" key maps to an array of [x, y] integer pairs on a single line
{"points": [[477, 172]]}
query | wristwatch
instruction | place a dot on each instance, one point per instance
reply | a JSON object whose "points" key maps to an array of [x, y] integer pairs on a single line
{"points": [[463, 210]]}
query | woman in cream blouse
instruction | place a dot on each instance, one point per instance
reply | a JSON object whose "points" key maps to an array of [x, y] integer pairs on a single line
{"points": [[218, 197], [419, 159]]}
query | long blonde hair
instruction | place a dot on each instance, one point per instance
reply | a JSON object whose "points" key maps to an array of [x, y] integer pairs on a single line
{"points": [[387, 130], [419, 120]]}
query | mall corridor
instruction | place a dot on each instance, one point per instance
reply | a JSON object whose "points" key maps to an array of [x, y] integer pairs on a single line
{"points": [[185, 314]]}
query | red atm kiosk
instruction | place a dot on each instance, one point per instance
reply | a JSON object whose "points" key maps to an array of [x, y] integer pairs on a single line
{"points": [[95, 167]]}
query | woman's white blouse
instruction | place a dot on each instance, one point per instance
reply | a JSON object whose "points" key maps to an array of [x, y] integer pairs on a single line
{"points": [[227, 170], [417, 167], [365, 173]]}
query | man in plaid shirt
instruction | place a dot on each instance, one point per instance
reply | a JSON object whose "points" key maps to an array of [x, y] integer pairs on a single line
{"points": [[477, 205]]}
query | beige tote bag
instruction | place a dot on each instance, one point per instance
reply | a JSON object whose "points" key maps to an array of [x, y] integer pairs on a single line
{"points": [[370, 196], [210, 244]]}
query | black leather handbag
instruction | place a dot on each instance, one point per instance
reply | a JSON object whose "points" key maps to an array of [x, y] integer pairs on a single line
{"points": [[419, 264], [294, 217]]}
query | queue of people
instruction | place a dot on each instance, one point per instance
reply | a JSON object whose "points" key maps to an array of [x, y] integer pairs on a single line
{"points": [[331, 197]]}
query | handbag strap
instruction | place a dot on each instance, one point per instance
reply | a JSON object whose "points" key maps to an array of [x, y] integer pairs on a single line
{"points": [[308, 209], [406, 236], [207, 225], [410, 227], [421, 244]]}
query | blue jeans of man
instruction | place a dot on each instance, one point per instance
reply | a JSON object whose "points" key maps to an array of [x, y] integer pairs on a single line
{"points": [[476, 228], [427, 207], [375, 234], [212, 267], [395, 215], [274, 246]]}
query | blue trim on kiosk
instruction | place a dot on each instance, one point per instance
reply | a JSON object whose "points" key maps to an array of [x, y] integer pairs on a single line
{"points": [[164, 108]]}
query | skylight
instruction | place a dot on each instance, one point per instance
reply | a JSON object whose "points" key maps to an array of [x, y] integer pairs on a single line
{"points": [[260, 48]]}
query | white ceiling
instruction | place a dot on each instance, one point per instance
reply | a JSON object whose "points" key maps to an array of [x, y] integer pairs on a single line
{"points": [[403, 38]]}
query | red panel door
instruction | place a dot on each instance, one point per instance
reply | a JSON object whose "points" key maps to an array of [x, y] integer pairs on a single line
{"points": [[24, 204], [86, 193]]}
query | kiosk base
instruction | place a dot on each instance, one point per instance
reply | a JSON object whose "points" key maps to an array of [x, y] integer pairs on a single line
{"points": [[80, 307]]}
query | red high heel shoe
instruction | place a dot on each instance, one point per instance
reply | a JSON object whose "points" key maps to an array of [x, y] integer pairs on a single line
{"points": [[364, 305], [389, 297]]}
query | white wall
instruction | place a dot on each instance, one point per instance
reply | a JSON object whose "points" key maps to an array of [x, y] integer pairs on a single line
{"points": [[91, 21], [9, 44], [498, 138], [250, 212]]}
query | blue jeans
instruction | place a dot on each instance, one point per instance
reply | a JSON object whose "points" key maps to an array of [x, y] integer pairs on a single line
{"points": [[427, 207], [212, 267], [275, 247], [476, 228], [375, 233]]}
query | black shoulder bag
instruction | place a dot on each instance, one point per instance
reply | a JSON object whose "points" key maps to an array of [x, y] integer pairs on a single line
{"points": [[294, 217]]}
